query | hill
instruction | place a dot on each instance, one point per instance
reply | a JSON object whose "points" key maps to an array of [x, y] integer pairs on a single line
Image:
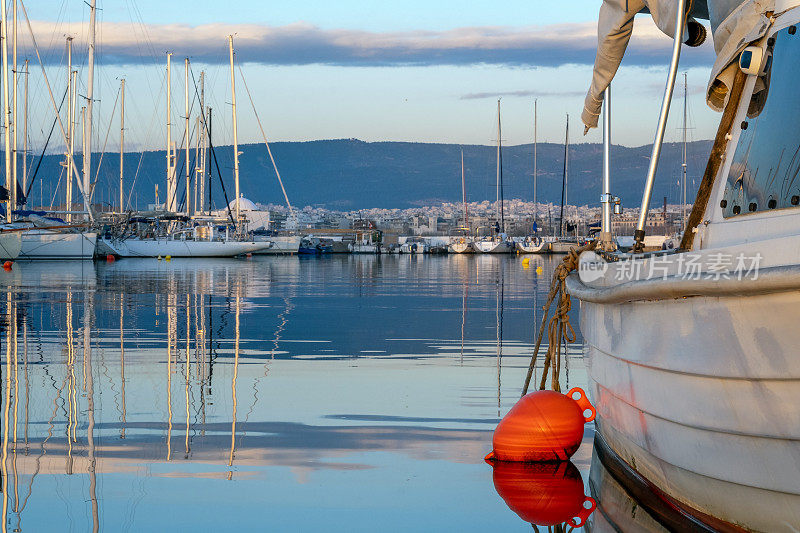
{"points": [[351, 174]]}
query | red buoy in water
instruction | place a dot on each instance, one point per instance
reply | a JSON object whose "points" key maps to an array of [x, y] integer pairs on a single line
{"points": [[110, 258], [7, 265], [542, 426], [544, 494]]}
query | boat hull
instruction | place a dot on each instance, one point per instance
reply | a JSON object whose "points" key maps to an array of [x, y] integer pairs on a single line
{"points": [[10, 245], [532, 248], [712, 420], [561, 247], [176, 248], [462, 248], [41, 244], [494, 247], [281, 245]]}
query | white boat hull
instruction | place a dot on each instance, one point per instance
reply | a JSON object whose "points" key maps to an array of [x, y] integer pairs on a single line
{"points": [[700, 395], [532, 248], [494, 247], [364, 248], [561, 247], [44, 244], [282, 245], [177, 248], [466, 247], [10, 245]]}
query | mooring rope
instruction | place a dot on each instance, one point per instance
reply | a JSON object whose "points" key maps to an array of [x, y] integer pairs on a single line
{"points": [[559, 328]]}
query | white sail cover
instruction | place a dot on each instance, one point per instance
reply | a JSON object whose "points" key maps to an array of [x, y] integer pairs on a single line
{"points": [[734, 25]]}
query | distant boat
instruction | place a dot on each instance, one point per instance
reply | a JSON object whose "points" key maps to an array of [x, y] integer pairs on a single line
{"points": [[499, 243], [532, 245], [463, 244], [281, 244], [174, 246], [564, 244]]}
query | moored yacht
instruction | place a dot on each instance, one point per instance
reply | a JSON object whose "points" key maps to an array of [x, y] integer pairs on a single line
{"points": [[708, 409]]}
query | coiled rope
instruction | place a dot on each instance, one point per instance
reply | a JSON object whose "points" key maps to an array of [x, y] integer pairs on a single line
{"points": [[559, 328]]}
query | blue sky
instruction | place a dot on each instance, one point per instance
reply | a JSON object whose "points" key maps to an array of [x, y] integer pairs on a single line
{"points": [[379, 70]]}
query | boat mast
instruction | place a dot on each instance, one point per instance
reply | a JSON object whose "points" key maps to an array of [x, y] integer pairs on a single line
{"points": [[464, 192], [6, 113], [235, 134], [564, 179], [203, 139], [606, 198], [186, 134], [25, 136], [121, 145], [683, 184], [196, 161], [14, 100], [535, 159], [497, 179], [500, 170], [169, 203], [70, 131], [87, 154]]}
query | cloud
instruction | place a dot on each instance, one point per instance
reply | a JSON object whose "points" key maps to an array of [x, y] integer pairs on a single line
{"points": [[305, 44], [521, 94]]}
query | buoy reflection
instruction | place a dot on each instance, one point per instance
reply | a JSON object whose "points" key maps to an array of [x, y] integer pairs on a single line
{"points": [[543, 494]]}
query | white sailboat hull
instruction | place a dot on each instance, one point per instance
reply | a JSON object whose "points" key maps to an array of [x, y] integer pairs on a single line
{"points": [[532, 248], [281, 245], [10, 245], [44, 244], [177, 248], [494, 247], [561, 247], [701, 395], [466, 247]]}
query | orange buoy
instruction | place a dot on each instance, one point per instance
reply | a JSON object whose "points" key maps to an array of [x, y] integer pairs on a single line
{"points": [[544, 494], [7, 265], [110, 258], [542, 426]]}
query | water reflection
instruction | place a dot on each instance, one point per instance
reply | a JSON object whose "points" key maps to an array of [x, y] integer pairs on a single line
{"points": [[366, 385], [544, 494]]}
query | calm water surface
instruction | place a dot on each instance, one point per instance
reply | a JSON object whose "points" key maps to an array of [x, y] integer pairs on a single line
{"points": [[341, 393]]}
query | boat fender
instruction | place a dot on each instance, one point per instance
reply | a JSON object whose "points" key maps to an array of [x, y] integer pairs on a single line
{"points": [[110, 258], [543, 426], [7, 266]]}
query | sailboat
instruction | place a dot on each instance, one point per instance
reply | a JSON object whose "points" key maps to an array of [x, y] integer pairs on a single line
{"points": [[463, 243], [563, 244], [533, 244], [707, 410], [204, 239], [498, 242], [47, 237]]}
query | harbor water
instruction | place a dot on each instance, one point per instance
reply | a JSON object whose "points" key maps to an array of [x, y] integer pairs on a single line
{"points": [[335, 393]]}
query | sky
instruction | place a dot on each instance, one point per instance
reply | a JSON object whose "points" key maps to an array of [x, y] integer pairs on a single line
{"points": [[416, 70]]}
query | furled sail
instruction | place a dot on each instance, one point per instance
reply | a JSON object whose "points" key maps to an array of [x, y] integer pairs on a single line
{"points": [[734, 25]]}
